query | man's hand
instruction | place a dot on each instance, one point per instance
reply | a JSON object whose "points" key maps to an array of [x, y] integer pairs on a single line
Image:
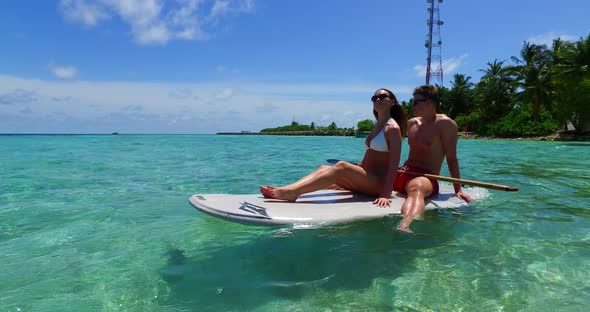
{"points": [[464, 196], [382, 202]]}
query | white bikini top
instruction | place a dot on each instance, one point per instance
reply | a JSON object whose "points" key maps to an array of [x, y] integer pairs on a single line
{"points": [[378, 143]]}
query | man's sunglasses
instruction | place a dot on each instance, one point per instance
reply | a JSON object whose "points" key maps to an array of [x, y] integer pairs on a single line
{"points": [[380, 97]]}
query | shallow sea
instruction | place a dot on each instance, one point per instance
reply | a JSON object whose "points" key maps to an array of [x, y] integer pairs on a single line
{"points": [[102, 223]]}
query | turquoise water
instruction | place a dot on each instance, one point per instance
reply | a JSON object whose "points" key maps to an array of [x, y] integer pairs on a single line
{"points": [[102, 223]]}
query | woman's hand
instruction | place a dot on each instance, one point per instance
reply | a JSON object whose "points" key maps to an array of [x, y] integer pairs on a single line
{"points": [[382, 202]]}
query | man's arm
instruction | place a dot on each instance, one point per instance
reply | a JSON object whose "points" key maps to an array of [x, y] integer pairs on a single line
{"points": [[450, 136]]}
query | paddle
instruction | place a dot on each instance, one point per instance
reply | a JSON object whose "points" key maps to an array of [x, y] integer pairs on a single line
{"points": [[452, 180]]}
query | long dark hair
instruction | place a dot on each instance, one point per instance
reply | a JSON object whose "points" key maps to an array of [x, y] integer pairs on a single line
{"points": [[397, 112]]}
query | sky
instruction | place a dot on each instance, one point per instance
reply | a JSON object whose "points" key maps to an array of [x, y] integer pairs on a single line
{"points": [[205, 66]]}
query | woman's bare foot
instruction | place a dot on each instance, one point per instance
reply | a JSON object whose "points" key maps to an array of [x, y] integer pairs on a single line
{"points": [[266, 191], [283, 193]]}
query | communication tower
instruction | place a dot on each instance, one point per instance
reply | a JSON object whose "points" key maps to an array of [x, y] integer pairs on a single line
{"points": [[434, 70]]}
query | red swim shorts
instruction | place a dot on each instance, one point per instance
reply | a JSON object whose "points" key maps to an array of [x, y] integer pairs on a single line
{"points": [[401, 179]]}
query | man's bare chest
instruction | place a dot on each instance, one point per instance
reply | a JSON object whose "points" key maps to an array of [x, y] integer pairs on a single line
{"points": [[424, 136]]}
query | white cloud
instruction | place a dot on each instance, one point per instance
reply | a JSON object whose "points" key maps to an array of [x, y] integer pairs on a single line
{"points": [[132, 107], [180, 93], [26, 110], [186, 20], [547, 38], [63, 72], [219, 7], [152, 22], [420, 70], [225, 93], [152, 34], [17, 96], [266, 108], [84, 12], [449, 65], [224, 7], [61, 99]]}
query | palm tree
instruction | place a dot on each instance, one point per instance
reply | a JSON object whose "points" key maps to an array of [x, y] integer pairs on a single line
{"points": [[572, 77], [409, 107], [443, 106], [533, 76], [459, 97], [495, 90], [558, 45]]}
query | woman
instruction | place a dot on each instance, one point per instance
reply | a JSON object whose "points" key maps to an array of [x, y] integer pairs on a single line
{"points": [[376, 172]]}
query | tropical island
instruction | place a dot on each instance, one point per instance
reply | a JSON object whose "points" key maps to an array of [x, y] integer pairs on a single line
{"points": [[299, 129], [539, 93], [544, 93]]}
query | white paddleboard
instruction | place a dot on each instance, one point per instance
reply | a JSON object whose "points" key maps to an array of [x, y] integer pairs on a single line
{"points": [[320, 207]]}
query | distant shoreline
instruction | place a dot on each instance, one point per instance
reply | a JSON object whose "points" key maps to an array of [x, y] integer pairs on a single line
{"points": [[301, 133], [557, 136], [565, 136]]}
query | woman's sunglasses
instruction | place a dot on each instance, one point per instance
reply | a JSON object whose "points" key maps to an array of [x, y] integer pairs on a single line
{"points": [[380, 97]]}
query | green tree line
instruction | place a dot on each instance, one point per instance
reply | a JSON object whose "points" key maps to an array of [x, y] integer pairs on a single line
{"points": [[296, 127], [536, 94]]}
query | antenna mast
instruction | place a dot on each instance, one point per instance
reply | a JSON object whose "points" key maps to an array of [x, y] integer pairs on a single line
{"points": [[433, 44]]}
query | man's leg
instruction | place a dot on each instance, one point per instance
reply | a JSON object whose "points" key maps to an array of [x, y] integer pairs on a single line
{"points": [[418, 189]]}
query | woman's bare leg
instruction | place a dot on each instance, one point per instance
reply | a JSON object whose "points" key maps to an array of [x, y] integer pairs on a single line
{"points": [[418, 189], [310, 176], [335, 186], [342, 172], [339, 185], [267, 190]]}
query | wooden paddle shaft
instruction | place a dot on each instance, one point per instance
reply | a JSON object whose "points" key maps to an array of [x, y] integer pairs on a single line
{"points": [[452, 180], [462, 181]]}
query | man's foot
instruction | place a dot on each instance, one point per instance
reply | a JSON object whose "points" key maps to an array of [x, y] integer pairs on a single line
{"points": [[404, 229], [404, 225]]}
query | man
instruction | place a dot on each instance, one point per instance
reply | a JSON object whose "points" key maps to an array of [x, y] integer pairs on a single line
{"points": [[431, 137]]}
